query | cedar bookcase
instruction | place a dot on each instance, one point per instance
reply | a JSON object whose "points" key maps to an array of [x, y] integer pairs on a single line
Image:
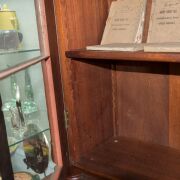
{"points": [[123, 107]]}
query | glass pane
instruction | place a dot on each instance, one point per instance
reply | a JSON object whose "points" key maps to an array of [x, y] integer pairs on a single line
{"points": [[18, 32], [26, 119]]}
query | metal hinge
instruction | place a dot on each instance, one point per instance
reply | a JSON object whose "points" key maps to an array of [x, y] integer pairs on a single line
{"points": [[66, 116]]}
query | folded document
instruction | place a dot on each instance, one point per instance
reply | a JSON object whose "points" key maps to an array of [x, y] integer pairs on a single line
{"points": [[117, 47], [162, 47]]}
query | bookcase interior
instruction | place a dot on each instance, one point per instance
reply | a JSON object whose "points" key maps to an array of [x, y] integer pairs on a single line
{"points": [[127, 116], [123, 107]]}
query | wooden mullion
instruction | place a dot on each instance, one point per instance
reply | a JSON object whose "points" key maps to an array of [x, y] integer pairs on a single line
{"points": [[22, 66], [54, 63]]}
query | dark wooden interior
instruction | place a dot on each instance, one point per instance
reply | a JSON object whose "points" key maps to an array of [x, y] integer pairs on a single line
{"points": [[130, 159], [123, 107]]}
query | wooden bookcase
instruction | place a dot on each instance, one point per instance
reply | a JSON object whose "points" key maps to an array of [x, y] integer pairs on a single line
{"points": [[123, 108]]}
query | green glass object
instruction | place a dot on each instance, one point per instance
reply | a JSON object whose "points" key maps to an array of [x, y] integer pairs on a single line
{"points": [[28, 87], [29, 106], [12, 102], [9, 104], [19, 107], [13, 86]]}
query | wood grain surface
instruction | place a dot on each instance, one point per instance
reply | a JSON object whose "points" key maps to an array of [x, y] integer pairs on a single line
{"points": [[129, 159], [92, 93], [142, 101], [78, 174], [111, 56], [79, 23], [174, 106]]}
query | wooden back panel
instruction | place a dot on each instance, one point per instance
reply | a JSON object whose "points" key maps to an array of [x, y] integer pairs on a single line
{"points": [[174, 106], [142, 88], [142, 101]]}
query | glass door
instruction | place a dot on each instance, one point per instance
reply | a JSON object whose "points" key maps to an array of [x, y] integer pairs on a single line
{"points": [[25, 79]]}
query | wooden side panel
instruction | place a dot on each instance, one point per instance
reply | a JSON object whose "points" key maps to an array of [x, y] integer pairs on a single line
{"points": [[82, 22], [92, 91], [79, 23], [142, 101], [174, 106]]}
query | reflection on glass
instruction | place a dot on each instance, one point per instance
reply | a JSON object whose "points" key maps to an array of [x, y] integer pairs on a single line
{"points": [[10, 36], [36, 150], [19, 39], [33, 155], [14, 108], [26, 120], [15, 119], [20, 112], [24, 101], [29, 105], [12, 102]]}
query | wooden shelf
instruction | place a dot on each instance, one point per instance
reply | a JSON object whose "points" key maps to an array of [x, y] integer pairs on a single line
{"points": [[123, 158], [123, 56]]}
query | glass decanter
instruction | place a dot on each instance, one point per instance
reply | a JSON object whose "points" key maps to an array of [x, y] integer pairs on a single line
{"points": [[10, 104], [29, 105]]}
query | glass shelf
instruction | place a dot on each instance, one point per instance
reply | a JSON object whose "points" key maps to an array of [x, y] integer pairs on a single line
{"points": [[24, 105], [13, 58], [19, 41], [18, 51], [13, 142]]}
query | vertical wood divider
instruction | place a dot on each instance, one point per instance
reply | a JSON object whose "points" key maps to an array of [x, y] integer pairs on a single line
{"points": [[174, 106], [147, 20], [114, 99]]}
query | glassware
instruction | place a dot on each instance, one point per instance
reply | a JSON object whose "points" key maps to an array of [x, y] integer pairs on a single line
{"points": [[29, 105], [19, 108], [10, 40], [18, 124], [29, 108], [15, 119], [12, 102]]}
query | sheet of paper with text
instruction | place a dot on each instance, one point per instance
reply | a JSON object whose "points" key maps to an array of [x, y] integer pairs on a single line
{"points": [[125, 22], [164, 21]]}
